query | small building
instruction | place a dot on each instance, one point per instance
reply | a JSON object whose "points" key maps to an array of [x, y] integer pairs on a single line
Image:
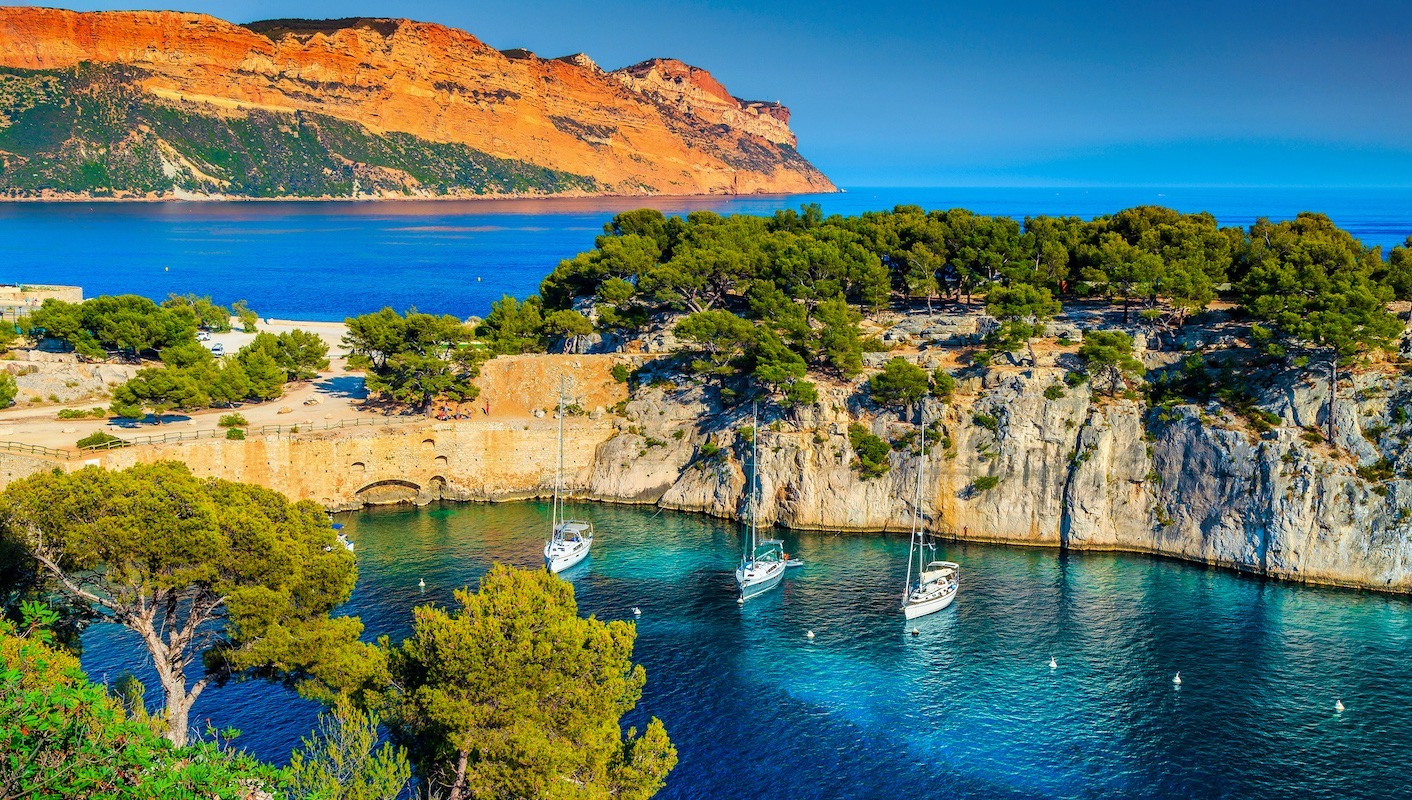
{"points": [[18, 299]]}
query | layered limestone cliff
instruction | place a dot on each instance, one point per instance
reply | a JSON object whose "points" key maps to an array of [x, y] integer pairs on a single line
{"points": [[383, 106], [1072, 467]]}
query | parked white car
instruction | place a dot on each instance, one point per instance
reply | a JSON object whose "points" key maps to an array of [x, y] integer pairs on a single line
{"points": [[218, 349], [203, 336]]}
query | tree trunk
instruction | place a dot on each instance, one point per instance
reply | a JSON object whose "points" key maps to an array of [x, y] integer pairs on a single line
{"points": [[1333, 395], [178, 699], [170, 659], [458, 786], [178, 716]]}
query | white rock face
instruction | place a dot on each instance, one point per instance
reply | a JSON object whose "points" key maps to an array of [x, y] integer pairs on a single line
{"points": [[1082, 471]]}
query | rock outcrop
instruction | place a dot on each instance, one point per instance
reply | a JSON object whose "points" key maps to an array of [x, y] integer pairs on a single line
{"points": [[413, 108], [1017, 456]]}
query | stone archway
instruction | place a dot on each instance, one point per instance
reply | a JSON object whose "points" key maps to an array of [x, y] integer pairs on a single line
{"points": [[390, 492], [436, 489]]}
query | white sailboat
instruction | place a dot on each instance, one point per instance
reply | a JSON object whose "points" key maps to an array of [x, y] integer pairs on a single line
{"points": [[937, 581], [762, 565], [569, 539]]}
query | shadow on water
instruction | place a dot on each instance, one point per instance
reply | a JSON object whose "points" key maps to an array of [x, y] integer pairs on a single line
{"points": [[967, 708]]}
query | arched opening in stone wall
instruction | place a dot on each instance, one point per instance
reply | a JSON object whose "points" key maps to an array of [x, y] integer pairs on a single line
{"points": [[359, 467], [436, 487], [391, 492], [428, 444], [441, 462]]}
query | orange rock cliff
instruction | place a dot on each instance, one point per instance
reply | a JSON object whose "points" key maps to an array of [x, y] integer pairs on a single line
{"points": [[659, 127]]}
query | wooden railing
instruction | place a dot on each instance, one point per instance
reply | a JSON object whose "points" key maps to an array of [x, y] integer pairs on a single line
{"points": [[40, 450], [359, 422]]}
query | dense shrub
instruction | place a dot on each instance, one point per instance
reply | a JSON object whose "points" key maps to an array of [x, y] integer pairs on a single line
{"points": [[870, 452]]}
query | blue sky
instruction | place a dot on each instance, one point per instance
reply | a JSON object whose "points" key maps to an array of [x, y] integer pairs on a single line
{"points": [[1293, 93]]}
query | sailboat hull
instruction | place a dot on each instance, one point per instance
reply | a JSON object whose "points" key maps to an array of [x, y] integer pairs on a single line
{"points": [[912, 610], [558, 559], [756, 580]]}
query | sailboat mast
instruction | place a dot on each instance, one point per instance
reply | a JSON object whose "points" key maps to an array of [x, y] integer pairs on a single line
{"points": [[921, 469], [915, 544], [755, 476], [559, 470]]}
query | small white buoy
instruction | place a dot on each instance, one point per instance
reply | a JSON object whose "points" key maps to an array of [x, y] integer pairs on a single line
{"points": [[810, 634], [916, 631], [1338, 706], [636, 612], [422, 584], [1052, 663], [1177, 680], [740, 601]]}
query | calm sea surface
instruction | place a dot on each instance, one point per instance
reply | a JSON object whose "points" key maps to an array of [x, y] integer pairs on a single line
{"points": [[324, 261], [969, 708]]}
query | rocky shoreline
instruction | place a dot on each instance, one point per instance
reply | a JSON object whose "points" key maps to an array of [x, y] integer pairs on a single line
{"points": [[1016, 461]]}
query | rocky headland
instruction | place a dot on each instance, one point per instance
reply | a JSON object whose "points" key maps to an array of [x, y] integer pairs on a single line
{"points": [[150, 104], [1019, 455]]}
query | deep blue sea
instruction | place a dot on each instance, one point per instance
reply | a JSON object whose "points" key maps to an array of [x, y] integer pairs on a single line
{"points": [[968, 708], [327, 260]]}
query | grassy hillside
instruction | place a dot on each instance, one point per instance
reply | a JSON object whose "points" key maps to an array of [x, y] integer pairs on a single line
{"points": [[93, 131]]}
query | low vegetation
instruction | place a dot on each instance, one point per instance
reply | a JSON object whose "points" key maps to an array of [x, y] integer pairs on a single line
{"points": [[870, 452]]}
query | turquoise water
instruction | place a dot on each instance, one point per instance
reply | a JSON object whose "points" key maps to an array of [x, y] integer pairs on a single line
{"points": [[967, 708], [325, 261]]}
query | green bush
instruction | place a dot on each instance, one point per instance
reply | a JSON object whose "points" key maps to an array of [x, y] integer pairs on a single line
{"points": [[1053, 391], [985, 483], [1110, 352], [235, 433], [621, 373], [97, 439], [871, 451], [65, 737], [1377, 472], [943, 385], [986, 421], [901, 383], [235, 420], [82, 413]]}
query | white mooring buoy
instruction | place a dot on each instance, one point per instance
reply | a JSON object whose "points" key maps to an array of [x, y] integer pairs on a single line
{"points": [[810, 634], [1052, 663], [1338, 706], [916, 631], [636, 612], [1177, 679], [422, 584], [740, 601]]}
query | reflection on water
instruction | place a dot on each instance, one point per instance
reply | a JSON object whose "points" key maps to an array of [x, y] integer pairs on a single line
{"points": [[968, 707]]}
